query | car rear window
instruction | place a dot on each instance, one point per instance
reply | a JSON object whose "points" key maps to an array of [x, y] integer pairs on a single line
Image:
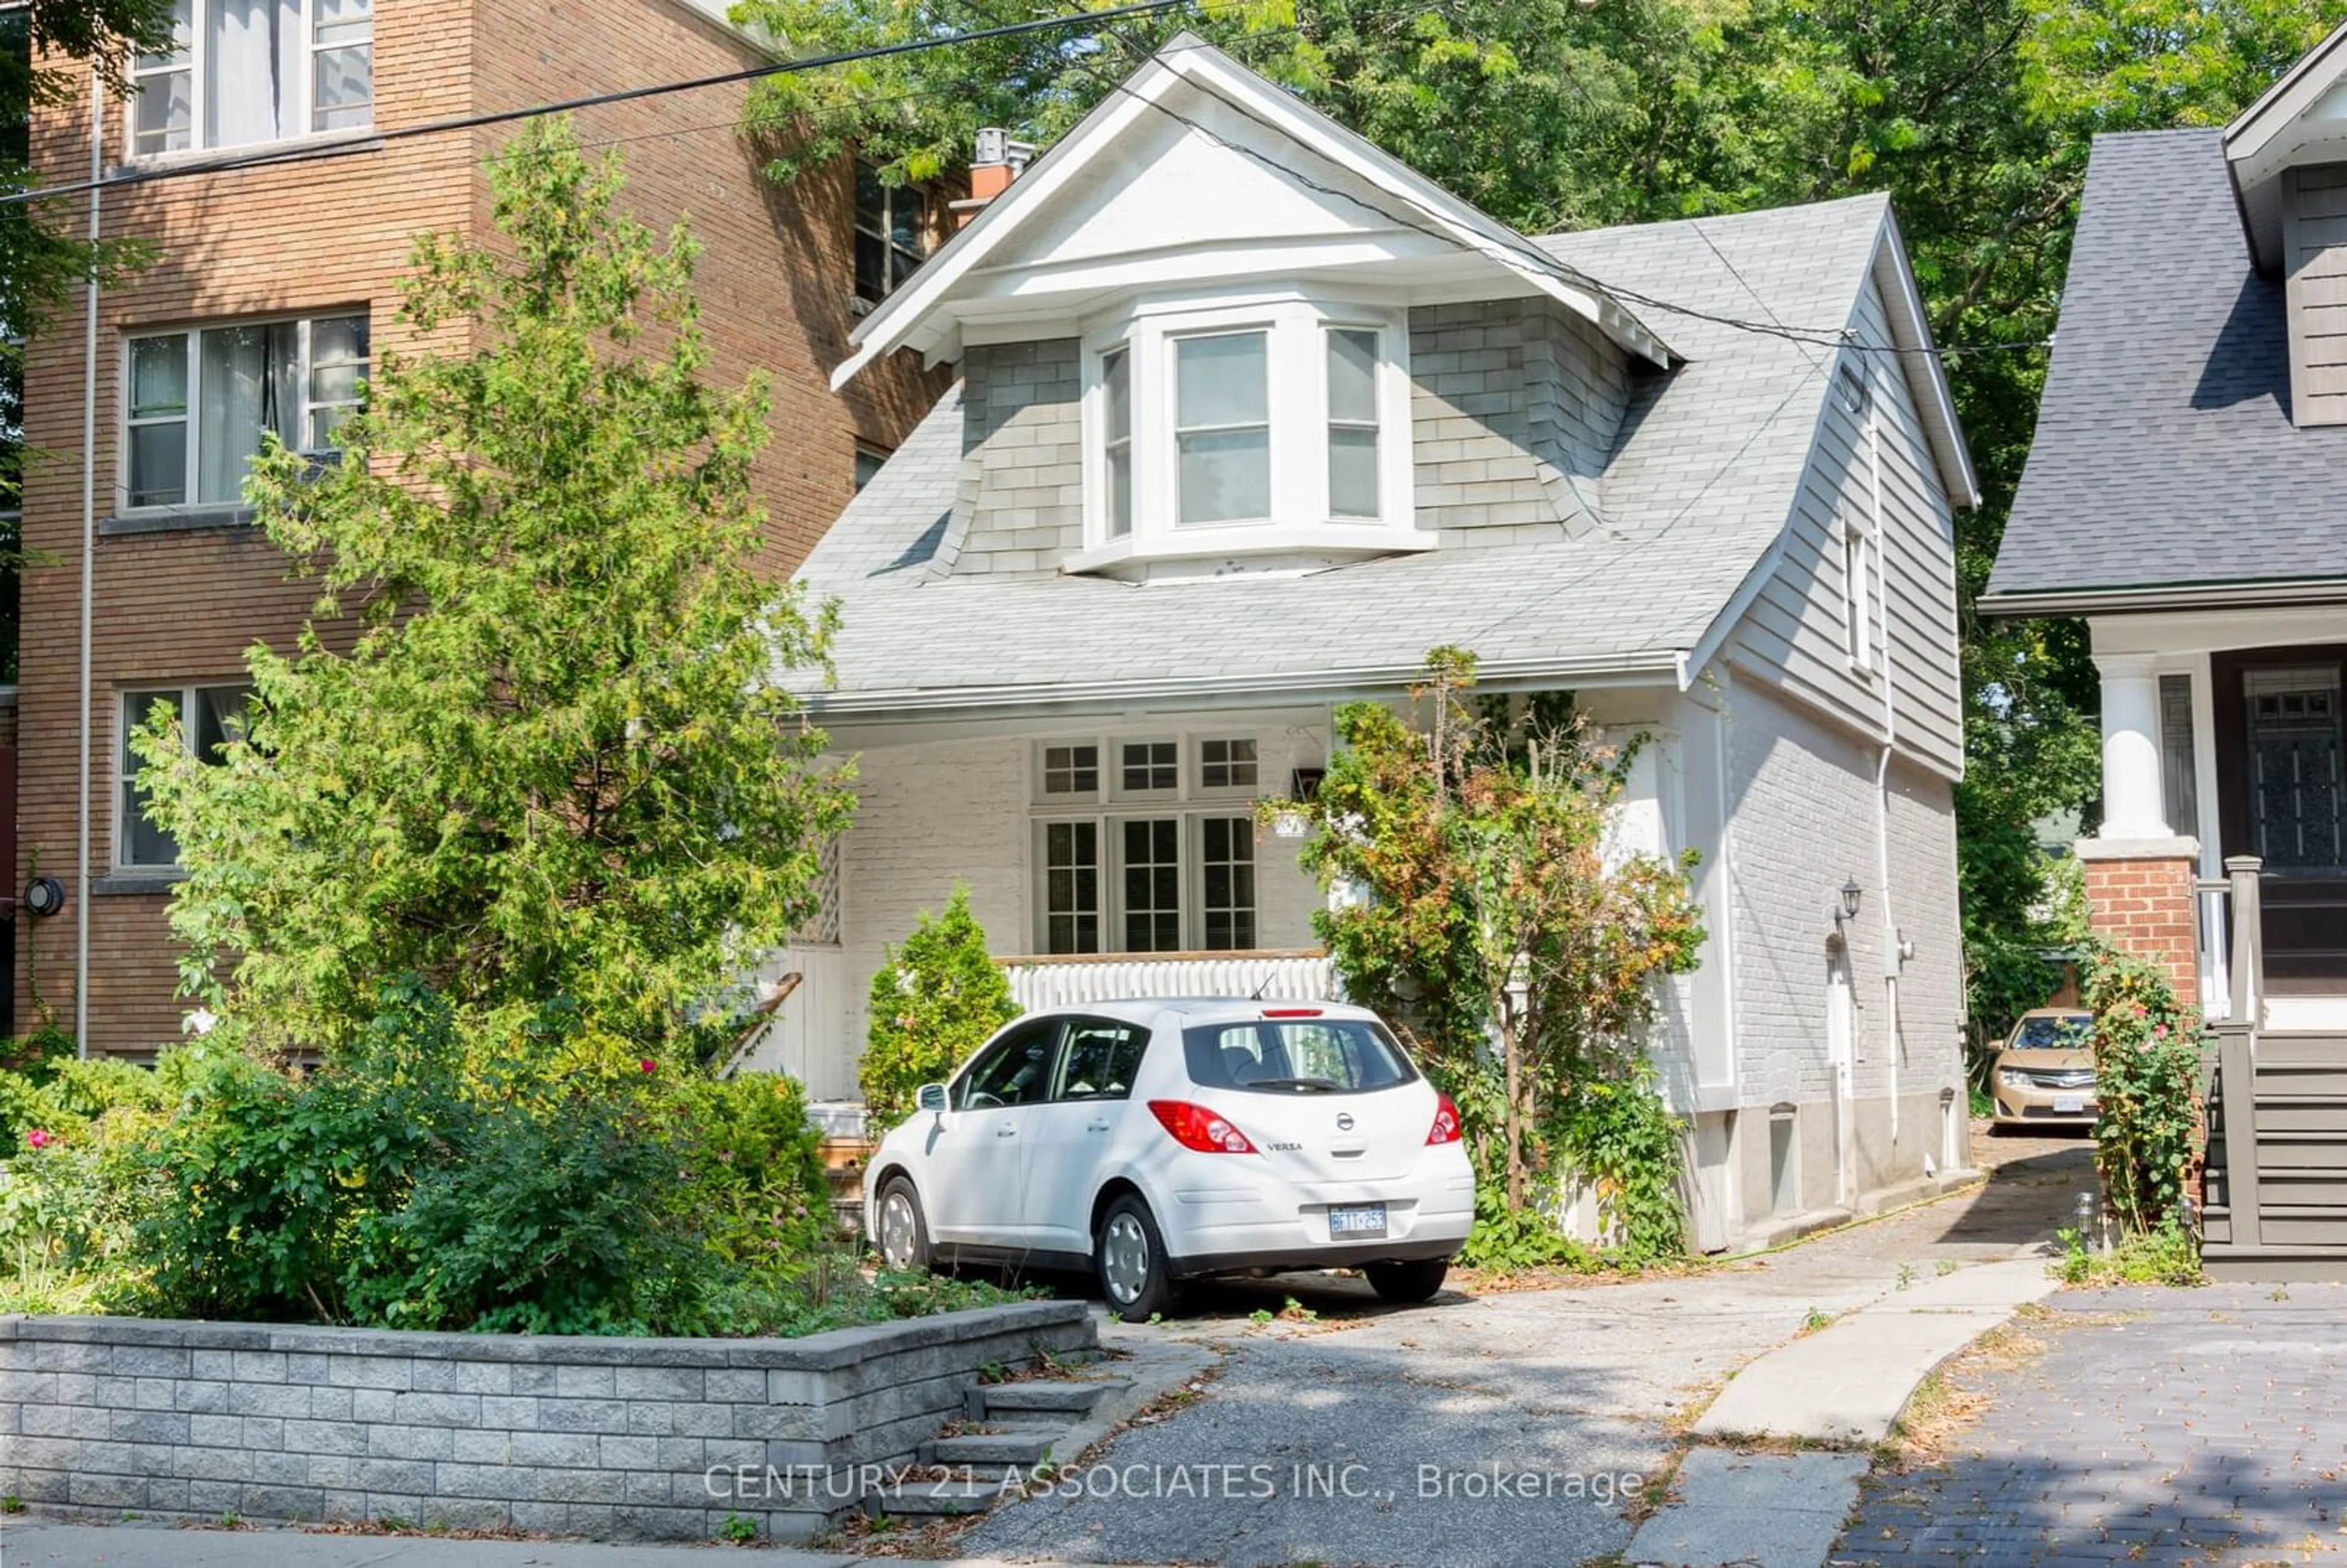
{"points": [[1294, 1056], [2054, 1033]]}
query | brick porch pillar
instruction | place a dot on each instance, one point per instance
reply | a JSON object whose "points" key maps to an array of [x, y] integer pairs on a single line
{"points": [[2140, 899]]}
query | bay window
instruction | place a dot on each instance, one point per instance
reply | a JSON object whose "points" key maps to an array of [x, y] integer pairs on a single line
{"points": [[1145, 845], [200, 401], [1278, 426], [239, 72]]}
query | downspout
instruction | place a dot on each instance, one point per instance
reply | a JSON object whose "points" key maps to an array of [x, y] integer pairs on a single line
{"points": [[88, 574], [1891, 952]]}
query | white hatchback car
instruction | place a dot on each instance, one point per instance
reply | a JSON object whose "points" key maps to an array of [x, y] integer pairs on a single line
{"points": [[1159, 1140]]}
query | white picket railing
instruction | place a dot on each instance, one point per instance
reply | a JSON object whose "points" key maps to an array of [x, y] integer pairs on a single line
{"points": [[1302, 975]]}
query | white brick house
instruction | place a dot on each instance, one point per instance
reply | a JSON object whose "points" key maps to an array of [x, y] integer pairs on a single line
{"points": [[1250, 418]]}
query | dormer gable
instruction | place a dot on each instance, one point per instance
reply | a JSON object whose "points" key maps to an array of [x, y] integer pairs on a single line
{"points": [[2287, 156], [1206, 301]]}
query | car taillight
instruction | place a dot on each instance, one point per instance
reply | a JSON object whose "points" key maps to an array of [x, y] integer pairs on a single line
{"points": [[1291, 1012], [1446, 1121], [1196, 1127]]}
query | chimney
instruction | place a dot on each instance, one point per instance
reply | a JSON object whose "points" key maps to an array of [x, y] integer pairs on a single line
{"points": [[998, 162]]}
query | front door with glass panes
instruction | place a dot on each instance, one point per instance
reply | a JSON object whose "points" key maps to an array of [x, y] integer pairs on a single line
{"points": [[2282, 747]]}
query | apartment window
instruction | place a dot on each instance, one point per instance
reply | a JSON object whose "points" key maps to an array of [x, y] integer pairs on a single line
{"points": [[208, 716], [1226, 764], [244, 71], [868, 460], [892, 233], [1255, 428], [200, 402], [1152, 884], [1071, 770], [1226, 864]]}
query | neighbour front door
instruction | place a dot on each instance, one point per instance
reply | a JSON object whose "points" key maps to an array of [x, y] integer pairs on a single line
{"points": [[2279, 721]]}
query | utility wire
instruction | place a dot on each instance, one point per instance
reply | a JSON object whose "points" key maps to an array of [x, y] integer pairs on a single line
{"points": [[373, 140]]}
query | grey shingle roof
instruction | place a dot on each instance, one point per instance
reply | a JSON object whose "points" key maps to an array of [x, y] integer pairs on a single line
{"points": [[1701, 481], [2165, 453]]}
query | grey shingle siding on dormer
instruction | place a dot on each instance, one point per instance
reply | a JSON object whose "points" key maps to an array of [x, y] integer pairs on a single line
{"points": [[1513, 411], [1019, 510]]}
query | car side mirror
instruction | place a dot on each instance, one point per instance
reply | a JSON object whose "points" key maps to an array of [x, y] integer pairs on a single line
{"points": [[931, 1097]]}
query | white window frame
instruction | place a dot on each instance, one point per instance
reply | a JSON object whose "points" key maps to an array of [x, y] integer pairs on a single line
{"points": [[1197, 763], [191, 693], [190, 341], [1302, 522], [1857, 612], [1189, 803], [194, 61]]}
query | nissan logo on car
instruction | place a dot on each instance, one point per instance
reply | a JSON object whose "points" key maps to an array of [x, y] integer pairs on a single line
{"points": [[1344, 1120]]}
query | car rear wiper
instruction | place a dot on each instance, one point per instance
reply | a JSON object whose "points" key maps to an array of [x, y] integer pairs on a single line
{"points": [[1318, 1085]]}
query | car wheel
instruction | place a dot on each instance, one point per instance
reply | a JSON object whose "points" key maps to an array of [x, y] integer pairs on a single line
{"points": [[1408, 1282], [902, 1232], [1129, 1258]]}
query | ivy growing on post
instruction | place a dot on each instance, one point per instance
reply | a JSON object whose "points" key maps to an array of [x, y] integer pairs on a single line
{"points": [[1489, 915]]}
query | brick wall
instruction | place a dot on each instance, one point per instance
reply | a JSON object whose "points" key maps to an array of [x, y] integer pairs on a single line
{"points": [[1803, 799], [181, 605], [608, 1437], [2143, 903]]}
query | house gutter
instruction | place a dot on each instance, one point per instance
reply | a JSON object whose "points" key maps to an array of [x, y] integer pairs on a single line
{"points": [[2172, 596], [89, 575], [1304, 686]]}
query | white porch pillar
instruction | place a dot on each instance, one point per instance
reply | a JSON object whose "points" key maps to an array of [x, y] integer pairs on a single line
{"points": [[2132, 803]]}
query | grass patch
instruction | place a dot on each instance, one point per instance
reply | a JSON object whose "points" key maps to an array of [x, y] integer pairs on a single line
{"points": [[2168, 1256]]}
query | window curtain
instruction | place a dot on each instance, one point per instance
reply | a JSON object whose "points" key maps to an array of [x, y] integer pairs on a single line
{"points": [[253, 71], [249, 381]]}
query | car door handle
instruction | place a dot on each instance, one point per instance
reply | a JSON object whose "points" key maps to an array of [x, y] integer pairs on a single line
{"points": [[1006, 1131], [1100, 1126]]}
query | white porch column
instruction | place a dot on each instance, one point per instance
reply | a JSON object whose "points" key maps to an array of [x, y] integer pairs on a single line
{"points": [[2133, 804]]}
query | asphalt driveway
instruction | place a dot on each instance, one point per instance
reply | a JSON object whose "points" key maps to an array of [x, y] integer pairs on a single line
{"points": [[1501, 1428]]}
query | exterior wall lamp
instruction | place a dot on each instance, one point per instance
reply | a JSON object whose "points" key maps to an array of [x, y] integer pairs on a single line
{"points": [[1851, 895]]}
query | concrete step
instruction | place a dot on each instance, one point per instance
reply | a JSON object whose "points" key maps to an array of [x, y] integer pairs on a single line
{"points": [[1050, 1398], [1026, 1447], [933, 1499]]}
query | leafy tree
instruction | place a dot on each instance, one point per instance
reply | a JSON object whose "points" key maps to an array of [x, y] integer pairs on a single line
{"points": [[934, 1001], [1516, 949], [554, 766], [1976, 115]]}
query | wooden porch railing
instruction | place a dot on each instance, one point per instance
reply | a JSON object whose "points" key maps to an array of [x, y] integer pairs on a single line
{"points": [[2276, 1182]]}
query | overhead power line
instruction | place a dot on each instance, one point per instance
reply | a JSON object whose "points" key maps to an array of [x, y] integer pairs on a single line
{"points": [[370, 141]]}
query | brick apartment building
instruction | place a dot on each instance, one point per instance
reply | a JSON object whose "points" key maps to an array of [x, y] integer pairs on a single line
{"points": [[270, 290]]}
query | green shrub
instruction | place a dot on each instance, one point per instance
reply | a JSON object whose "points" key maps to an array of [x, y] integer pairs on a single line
{"points": [[2147, 1072], [2167, 1255], [1616, 1133], [935, 1001], [419, 1180], [63, 1093]]}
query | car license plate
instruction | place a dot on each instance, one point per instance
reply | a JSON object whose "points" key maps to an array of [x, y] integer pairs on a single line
{"points": [[1356, 1220], [2069, 1104]]}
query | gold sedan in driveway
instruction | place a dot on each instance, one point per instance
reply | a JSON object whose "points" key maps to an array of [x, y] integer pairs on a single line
{"points": [[2044, 1075]]}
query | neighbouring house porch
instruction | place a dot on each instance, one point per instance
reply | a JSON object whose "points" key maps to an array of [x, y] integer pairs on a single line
{"points": [[2222, 739]]}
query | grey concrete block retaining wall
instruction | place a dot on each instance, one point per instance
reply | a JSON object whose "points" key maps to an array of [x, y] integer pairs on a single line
{"points": [[609, 1438]]}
